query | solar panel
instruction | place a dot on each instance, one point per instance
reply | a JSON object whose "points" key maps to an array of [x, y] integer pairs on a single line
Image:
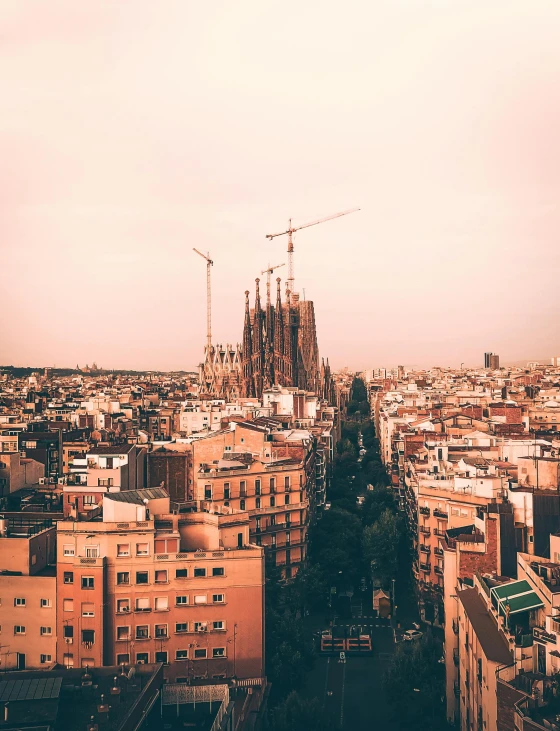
{"points": [[30, 690]]}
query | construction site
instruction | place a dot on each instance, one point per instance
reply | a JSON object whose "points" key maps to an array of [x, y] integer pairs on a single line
{"points": [[279, 341]]}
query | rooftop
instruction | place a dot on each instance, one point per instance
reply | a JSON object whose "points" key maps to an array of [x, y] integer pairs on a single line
{"points": [[493, 642]]}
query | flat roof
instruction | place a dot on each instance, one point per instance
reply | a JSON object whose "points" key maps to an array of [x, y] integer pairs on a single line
{"points": [[492, 641]]}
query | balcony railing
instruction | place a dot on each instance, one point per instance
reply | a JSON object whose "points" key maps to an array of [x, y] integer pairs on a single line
{"points": [[440, 514], [456, 656], [424, 530], [424, 510], [425, 549], [425, 567], [438, 570], [438, 532], [455, 627], [438, 551]]}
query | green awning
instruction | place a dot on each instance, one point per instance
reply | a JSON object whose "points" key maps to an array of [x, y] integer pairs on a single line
{"points": [[515, 597]]}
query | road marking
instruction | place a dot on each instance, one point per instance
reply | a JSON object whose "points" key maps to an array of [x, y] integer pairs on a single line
{"points": [[342, 699], [326, 682]]}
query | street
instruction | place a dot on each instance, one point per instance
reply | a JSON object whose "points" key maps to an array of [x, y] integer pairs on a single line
{"points": [[352, 691]]}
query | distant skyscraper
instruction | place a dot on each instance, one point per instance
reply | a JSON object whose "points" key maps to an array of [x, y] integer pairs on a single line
{"points": [[487, 357]]}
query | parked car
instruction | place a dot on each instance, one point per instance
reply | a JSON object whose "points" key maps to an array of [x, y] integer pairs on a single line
{"points": [[411, 635], [342, 657]]}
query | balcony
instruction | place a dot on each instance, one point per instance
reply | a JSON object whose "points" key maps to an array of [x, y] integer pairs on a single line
{"points": [[456, 689], [425, 549], [426, 567], [456, 656], [455, 627], [440, 514], [438, 570], [438, 532], [424, 510], [438, 551], [424, 530]]}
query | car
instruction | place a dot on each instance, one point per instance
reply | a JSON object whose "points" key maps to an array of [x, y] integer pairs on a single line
{"points": [[411, 635], [360, 500], [327, 506], [342, 657]]}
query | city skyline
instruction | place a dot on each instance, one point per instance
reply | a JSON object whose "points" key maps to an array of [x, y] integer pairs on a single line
{"points": [[129, 137]]}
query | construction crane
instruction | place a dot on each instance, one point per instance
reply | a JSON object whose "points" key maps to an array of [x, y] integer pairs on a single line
{"points": [[268, 272], [209, 264], [291, 231]]}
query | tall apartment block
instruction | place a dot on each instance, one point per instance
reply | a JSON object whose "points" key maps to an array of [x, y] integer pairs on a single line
{"points": [[142, 584]]}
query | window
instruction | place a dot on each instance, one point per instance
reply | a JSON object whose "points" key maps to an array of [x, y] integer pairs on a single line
{"points": [[141, 577], [218, 598], [242, 505], [208, 492], [123, 577], [68, 632], [200, 598], [242, 488], [200, 572], [200, 654], [258, 503], [161, 630], [123, 606], [68, 605], [219, 652], [19, 629], [218, 571], [257, 487], [123, 549], [218, 626], [18, 602], [272, 484], [287, 482], [87, 582], [161, 604], [142, 549], [161, 657], [181, 627], [286, 499], [92, 551], [272, 501], [181, 573], [181, 601], [142, 658], [46, 603], [272, 518], [181, 654], [88, 636], [142, 632], [68, 577], [45, 631], [88, 609], [143, 604], [46, 658], [89, 500], [227, 491], [123, 659], [161, 577], [123, 633]]}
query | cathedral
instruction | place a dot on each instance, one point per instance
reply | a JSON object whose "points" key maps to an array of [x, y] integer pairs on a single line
{"points": [[279, 349]]}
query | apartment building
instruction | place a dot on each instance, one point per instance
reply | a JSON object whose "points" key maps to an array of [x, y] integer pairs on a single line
{"points": [[17, 472], [270, 473], [141, 584], [27, 592]]}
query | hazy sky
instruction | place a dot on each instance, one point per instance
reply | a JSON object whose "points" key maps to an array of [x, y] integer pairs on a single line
{"points": [[132, 131]]}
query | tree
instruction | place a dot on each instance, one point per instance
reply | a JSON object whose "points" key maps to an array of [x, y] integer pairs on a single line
{"points": [[377, 501], [414, 684], [290, 652], [380, 544], [300, 714]]}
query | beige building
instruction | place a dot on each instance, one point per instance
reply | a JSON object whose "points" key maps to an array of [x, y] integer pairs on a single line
{"points": [[27, 593], [17, 472], [142, 584]]}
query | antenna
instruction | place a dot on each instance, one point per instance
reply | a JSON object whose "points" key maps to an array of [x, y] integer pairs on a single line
{"points": [[291, 230], [209, 263]]}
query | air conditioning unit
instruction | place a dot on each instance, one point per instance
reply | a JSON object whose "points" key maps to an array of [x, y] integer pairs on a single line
{"points": [[203, 627], [42, 480]]}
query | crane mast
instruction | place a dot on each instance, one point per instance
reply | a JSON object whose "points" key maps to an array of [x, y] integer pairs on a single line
{"points": [[268, 272], [290, 232], [209, 264]]}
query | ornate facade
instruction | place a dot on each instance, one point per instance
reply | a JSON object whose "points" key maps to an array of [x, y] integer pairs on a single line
{"points": [[279, 349]]}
